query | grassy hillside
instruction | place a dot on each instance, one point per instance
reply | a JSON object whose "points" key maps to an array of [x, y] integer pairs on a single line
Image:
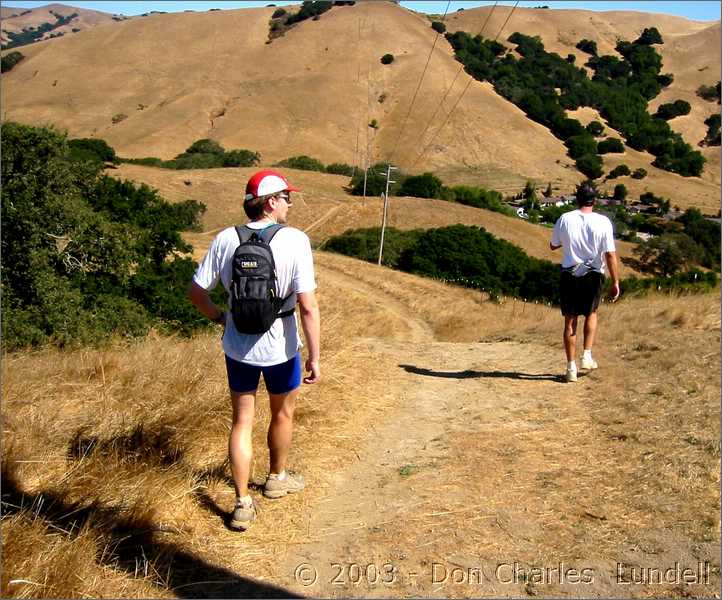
{"points": [[136, 85]]}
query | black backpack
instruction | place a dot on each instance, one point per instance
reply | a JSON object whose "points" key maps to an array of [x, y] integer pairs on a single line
{"points": [[254, 302]]}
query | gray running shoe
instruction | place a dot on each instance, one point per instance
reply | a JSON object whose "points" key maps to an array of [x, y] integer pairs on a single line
{"points": [[242, 516], [277, 488]]}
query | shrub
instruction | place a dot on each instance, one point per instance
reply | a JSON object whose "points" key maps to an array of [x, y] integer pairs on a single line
{"points": [[118, 117], [364, 244], [588, 46], [480, 198], [620, 192], [92, 149], [340, 169], [10, 60], [303, 162], [619, 171], [640, 173], [610, 145], [709, 92], [241, 158], [375, 181], [387, 59], [580, 145], [374, 124], [309, 10], [673, 109], [590, 165], [421, 186], [204, 146], [78, 246], [278, 13], [438, 27], [713, 130], [595, 128], [649, 36]]}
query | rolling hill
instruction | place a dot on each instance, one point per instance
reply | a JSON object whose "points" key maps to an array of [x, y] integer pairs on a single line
{"points": [[315, 90]]}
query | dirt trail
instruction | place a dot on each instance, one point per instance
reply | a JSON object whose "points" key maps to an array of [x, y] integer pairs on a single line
{"points": [[445, 390]]}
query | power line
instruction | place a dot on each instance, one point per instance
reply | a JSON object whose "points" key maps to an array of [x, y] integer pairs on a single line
{"points": [[471, 79], [461, 68], [418, 87]]}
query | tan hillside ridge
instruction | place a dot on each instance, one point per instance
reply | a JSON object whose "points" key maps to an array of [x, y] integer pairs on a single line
{"points": [[37, 16], [324, 209], [314, 91]]}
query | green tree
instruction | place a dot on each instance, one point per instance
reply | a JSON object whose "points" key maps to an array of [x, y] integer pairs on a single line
{"points": [[650, 36], [9, 60], [588, 46], [619, 171], [426, 185], [302, 162], [610, 145], [590, 165], [620, 192], [668, 254], [438, 26], [595, 128], [640, 173], [76, 246], [387, 59]]}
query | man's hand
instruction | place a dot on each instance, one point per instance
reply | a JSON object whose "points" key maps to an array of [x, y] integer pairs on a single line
{"points": [[314, 369], [614, 291]]}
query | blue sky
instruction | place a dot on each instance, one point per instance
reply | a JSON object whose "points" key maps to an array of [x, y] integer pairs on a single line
{"points": [[700, 10]]}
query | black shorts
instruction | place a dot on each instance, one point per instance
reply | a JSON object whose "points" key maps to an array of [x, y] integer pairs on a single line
{"points": [[580, 295]]}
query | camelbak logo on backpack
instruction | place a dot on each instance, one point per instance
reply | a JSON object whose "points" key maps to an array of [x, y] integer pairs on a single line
{"points": [[255, 304]]}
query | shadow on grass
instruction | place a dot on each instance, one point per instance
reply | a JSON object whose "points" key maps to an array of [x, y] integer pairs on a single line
{"points": [[470, 374], [133, 546]]}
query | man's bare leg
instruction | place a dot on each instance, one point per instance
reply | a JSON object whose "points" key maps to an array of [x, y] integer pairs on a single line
{"points": [[280, 429], [590, 330], [240, 447], [570, 336]]}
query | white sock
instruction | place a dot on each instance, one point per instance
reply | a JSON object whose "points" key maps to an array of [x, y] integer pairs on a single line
{"points": [[280, 476], [572, 365], [587, 354], [244, 501]]}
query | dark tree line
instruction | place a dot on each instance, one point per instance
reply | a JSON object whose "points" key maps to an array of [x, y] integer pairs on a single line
{"points": [[619, 89]]}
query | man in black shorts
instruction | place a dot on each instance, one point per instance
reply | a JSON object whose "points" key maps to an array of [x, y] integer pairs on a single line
{"points": [[588, 242]]}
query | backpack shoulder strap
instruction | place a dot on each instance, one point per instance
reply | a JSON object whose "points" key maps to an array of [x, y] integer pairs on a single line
{"points": [[244, 233], [269, 232]]}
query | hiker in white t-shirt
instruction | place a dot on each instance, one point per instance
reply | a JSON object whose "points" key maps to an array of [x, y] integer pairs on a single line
{"points": [[588, 242], [274, 353]]}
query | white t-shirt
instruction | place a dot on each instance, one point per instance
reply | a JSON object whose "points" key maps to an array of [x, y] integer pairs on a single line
{"points": [[585, 237], [294, 273]]}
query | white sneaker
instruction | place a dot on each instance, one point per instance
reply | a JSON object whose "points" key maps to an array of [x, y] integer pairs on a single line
{"points": [[570, 376], [589, 363]]}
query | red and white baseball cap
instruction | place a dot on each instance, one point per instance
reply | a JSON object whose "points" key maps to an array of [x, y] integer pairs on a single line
{"points": [[267, 182]]}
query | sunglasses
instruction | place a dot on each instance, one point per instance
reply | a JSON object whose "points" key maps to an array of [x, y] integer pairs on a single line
{"points": [[286, 198]]}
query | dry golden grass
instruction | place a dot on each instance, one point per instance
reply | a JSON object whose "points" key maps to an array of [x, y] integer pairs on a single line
{"points": [[115, 479]]}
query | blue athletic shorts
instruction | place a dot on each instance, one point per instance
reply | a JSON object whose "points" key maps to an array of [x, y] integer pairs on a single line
{"points": [[280, 379]]}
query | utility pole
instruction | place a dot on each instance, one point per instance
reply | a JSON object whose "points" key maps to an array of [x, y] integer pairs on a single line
{"points": [[366, 171], [386, 208]]}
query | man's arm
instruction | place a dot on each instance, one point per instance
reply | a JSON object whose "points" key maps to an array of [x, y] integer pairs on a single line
{"points": [[202, 301], [311, 323], [611, 260]]}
